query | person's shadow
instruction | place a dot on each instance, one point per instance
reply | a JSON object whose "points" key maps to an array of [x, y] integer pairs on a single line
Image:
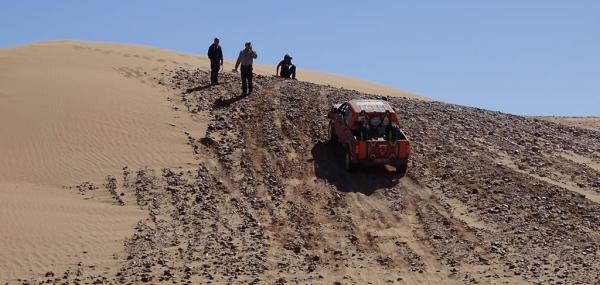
{"points": [[224, 103], [328, 163], [198, 88]]}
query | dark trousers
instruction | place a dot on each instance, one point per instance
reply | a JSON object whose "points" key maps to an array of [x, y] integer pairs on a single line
{"points": [[246, 72], [214, 71], [287, 72]]}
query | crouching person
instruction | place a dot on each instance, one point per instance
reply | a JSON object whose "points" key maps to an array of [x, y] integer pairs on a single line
{"points": [[288, 69]]}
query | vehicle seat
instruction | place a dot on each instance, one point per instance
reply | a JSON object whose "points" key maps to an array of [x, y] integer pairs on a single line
{"points": [[375, 121]]}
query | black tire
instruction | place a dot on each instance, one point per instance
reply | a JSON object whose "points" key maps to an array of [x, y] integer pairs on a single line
{"points": [[401, 169], [349, 165], [331, 136]]}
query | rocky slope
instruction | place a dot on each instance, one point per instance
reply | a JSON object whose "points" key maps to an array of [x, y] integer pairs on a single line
{"points": [[489, 197]]}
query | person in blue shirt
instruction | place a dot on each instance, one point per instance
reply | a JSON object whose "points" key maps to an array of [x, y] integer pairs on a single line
{"points": [[288, 69]]}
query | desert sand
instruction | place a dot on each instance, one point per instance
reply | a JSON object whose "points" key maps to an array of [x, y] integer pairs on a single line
{"points": [[72, 112], [592, 123], [119, 165]]}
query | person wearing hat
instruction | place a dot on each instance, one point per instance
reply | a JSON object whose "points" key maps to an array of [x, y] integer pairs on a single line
{"points": [[246, 57], [287, 68], [215, 54]]}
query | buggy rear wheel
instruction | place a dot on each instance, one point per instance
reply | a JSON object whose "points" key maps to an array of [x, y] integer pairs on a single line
{"points": [[401, 169]]}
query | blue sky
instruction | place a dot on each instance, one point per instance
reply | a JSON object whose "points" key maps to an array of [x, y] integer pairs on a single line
{"points": [[521, 57]]}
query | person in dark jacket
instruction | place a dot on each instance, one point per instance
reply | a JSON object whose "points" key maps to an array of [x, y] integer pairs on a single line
{"points": [[287, 68], [363, 126], [246, 58], [215, 54]]}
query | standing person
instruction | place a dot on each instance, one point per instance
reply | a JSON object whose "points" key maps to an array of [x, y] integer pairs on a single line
{"points": [[287, 68], [246, 57], [215, 54]]}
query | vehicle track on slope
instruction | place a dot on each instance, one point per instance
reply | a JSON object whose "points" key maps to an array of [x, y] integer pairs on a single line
{"points": [[270, 201]]}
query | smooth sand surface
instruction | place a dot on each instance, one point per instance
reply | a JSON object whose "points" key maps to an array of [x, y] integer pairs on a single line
{"points": [[75, 111], [46, 229], [69, 114]]}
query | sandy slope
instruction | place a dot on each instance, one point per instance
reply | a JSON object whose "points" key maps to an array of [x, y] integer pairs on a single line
{"points": [[592, 123], [65, 104], [67, 114], [245, 190], [76, 111], [490, 198], [46, 228]]}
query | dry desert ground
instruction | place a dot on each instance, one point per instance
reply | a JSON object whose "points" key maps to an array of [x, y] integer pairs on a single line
{"points": [[120, 165]]}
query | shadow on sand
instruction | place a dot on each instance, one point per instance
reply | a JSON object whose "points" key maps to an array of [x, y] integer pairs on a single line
{"points": [[198, 88], [328, 162], [224, 103]]}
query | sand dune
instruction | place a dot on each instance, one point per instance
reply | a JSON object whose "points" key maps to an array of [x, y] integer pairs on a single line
{"points": [[47, 229], [69, 105], [75, 111], [246, 190], [68, 114]]}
